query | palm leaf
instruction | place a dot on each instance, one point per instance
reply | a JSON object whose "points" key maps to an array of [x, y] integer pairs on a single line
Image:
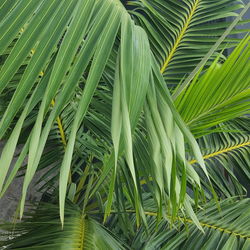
{"points": [[220, 94], [179, 33], [227, 228], [59, 70], [226, 157], [42, 230], [88, 37]]}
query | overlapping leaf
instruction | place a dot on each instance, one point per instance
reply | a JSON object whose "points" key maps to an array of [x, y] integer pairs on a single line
{"points": [[78, 81], [42, 230], [181, 33], [224, 229], [226, 157], [77, 45], [220, 94]]}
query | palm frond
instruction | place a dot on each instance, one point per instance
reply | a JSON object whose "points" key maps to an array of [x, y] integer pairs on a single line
{"points": [[80, 81], [58, 24], [220, 94], [181, 33], [226, 157], [84, 45], [224, 228], [43, 230]]}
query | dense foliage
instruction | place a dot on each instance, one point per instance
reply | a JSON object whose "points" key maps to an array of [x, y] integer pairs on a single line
{"points": [[137, 118]]}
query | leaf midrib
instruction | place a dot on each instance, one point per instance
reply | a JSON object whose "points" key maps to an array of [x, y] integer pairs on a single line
{"points": [[203, 224], [225, 150], [179, 38]]}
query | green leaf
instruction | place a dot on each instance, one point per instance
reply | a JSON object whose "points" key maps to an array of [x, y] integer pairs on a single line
{"points": [[97, 67], [176, 31], [220, 94], [43, 230]]}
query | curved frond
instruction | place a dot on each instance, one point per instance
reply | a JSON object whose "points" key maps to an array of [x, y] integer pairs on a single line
{"points": [[220, 94], [82, 89], [181, 33], [43, 230], [82, 57], [227, 157], [222, 229]]}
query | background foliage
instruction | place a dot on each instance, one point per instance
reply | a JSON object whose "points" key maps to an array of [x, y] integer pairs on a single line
{"points": [[138, 117]]}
